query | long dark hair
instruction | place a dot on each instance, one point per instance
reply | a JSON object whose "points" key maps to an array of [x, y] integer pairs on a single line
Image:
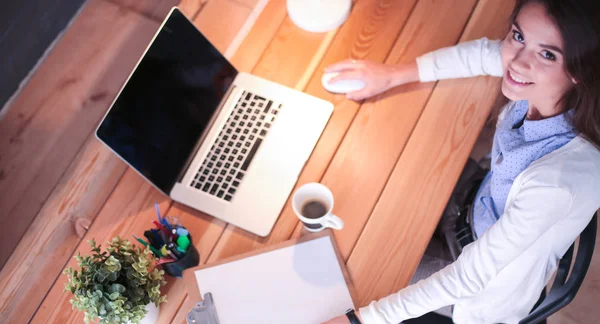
{"points": [[579, 25]]}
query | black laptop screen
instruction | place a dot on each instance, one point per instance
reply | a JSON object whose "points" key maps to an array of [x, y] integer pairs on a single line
{"points": [[162, 111]]}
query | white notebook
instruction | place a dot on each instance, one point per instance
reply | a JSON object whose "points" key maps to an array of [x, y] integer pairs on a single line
{"points": [[301, 283]]}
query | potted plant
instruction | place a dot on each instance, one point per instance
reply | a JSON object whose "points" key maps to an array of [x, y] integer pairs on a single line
{"points": [[119, 285]]}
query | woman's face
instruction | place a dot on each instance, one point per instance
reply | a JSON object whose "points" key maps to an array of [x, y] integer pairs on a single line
{"points": [[533, 61]]}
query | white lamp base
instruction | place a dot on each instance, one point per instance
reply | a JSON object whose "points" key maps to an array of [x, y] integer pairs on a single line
{"points": [[318, 16]]}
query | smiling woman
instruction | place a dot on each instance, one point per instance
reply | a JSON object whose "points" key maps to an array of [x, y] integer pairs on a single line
{"points": [[534, 58], [535, 70], [508, 232], [581, 51]]}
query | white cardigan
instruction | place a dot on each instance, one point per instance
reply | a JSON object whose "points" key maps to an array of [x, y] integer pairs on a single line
{"points": [[499, 277]]}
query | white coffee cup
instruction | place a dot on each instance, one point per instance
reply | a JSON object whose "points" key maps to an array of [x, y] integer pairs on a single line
{"points": [[321, 198]]}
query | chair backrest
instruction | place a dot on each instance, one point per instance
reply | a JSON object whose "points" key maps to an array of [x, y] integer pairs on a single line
{"points": [[564, 289]]}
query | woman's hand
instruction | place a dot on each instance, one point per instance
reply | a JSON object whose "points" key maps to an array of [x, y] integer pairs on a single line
{"points": [[342, 319], [376, 76], [338, 320]]}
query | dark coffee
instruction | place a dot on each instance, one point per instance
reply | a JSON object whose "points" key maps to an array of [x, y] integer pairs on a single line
{"points": [[314, 209]]}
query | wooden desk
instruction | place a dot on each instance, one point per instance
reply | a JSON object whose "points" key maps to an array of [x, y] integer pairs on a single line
{"points": [[391, 162]]}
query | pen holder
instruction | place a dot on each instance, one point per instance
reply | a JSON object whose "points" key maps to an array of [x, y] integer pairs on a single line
{"points": [[189, 260]]}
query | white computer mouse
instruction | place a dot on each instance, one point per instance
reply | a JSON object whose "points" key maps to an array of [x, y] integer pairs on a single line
{"points": [[343, 86]]}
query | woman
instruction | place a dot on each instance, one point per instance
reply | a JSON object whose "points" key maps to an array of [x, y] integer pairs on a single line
{"points": [[542, 189]]}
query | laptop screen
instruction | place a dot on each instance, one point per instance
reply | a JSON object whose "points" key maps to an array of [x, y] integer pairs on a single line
{"points": [[168, 101]]}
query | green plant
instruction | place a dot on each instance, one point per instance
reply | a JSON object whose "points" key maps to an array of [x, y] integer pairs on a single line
{"points": [[115, 285]]}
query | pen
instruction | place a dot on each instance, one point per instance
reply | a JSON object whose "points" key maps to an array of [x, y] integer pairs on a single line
{"points": [[154, 238], [166, 224], [157, 212], [162, 228], [160, 237], [155, 251], [172, 255]]}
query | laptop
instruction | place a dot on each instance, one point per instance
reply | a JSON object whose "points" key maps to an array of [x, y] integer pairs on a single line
{"points": [[226, 143]]}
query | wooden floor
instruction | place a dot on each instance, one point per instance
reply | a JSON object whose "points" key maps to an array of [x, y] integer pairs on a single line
{"points": [[61, 187]]}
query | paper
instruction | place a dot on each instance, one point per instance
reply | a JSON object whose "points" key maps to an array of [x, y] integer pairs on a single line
{"points": [[300, 284]]}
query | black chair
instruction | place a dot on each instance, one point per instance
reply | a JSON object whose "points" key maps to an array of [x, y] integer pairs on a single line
{"points": [[563, 289]]}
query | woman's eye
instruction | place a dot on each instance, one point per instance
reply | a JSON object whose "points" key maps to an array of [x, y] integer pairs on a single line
{"points": [[548, 55], [518, 37]]}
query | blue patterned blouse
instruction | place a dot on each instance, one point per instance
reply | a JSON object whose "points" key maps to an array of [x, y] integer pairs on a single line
{"points": [[517, 143]]}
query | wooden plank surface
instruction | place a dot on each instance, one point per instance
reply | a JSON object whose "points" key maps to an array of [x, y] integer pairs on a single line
{"points": [[379, 133], [51, 120], [367, 35], [383, 125], [248, 3], [55, 306], [154, 9], [417, 191], [83, 189], [158, 9], [289, 56], [191, 7], [264, 30], [29, 28], [60, 106], [221, 20], [51, 238]]}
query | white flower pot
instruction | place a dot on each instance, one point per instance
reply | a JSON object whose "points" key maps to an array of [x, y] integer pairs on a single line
{"points": [[151, 315]]}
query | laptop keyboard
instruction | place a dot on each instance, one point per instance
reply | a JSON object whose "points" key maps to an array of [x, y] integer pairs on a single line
{"points": [[224, 167]]}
